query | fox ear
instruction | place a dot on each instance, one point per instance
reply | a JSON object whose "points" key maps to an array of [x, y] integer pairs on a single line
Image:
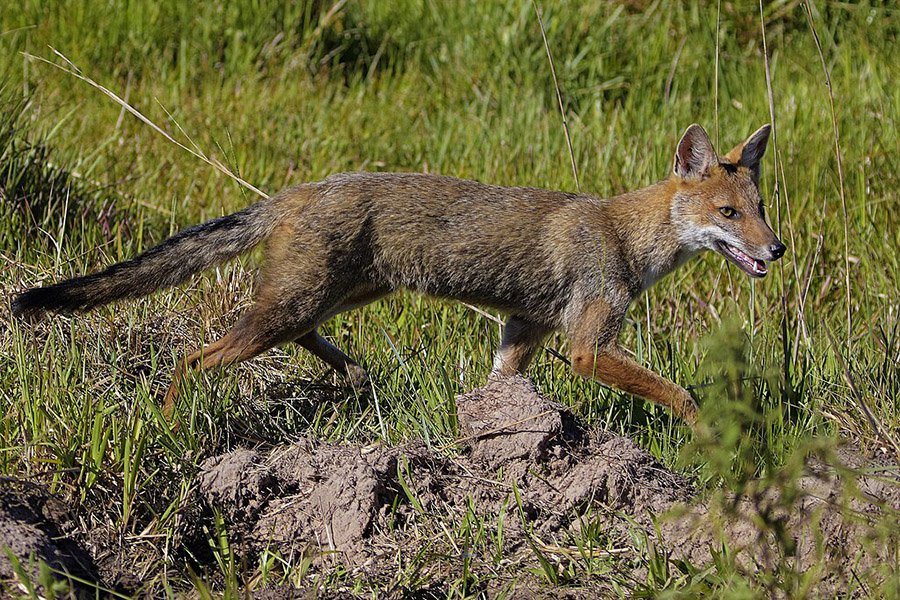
{"points": [[749, 153], [695, 154]]}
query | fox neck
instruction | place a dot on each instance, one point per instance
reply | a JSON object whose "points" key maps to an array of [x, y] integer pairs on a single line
{"points": [[656, 241]]}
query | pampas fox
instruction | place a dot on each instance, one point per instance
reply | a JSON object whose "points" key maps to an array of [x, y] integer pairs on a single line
{"points": [[550, 260]]}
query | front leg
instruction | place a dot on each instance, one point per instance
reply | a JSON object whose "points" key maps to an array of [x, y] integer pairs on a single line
{"points": [[521, 339], [596, 354]]}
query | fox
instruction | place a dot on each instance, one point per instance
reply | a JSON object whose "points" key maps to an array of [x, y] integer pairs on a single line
{"points": [[548, 260]]}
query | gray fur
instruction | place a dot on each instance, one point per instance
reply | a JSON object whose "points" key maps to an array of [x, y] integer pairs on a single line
{"points": [[171, 262]]}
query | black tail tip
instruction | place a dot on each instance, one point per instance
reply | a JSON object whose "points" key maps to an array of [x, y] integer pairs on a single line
{"points": [[31, 305]]}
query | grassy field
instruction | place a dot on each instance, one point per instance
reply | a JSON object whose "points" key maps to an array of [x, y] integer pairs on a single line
{"points": [[286, 94]]}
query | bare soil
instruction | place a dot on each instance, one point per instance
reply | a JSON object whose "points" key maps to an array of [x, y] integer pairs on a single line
{"points": [[36, 526], [358, 505], [522, 461]]}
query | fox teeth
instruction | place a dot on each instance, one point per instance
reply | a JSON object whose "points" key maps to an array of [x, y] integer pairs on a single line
{"points": [[758, 266]]}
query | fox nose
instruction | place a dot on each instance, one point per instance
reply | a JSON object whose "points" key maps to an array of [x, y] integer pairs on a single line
{"points": [[777, 249]]}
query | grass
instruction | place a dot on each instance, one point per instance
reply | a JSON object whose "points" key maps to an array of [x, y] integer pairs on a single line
{"points": [[289, 93]]}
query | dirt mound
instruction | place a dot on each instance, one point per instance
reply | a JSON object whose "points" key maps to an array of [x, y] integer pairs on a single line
{"points": [[536, 444], [34, 526], [523, 462], [324, 496], [524, 475], [337, 502]]}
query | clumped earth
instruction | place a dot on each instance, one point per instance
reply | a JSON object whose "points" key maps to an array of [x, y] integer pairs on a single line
{"points": [[355, 505], [521, 460], [35, 525]]}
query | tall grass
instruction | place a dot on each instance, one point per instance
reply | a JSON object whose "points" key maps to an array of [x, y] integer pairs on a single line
{"points": [[288, 92]]}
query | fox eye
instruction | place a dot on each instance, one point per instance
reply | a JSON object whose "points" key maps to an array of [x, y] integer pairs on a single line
{"points": [[728, 212]]}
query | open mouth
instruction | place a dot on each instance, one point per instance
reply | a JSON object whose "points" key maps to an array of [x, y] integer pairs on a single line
{"points": [[748, 264]]}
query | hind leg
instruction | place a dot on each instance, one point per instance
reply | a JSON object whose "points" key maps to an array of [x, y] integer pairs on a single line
{"points": [[334, 357], [331, 354], [263, 326], [307, 275]]}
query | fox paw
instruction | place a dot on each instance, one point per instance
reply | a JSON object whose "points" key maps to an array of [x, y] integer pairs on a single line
{"points": [[357, 377]]}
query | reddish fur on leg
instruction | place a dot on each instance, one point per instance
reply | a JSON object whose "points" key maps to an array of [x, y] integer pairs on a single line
{"points": [[614, 368]]}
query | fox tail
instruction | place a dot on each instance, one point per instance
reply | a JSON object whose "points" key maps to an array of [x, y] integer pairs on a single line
{"points": [[171, 262]]}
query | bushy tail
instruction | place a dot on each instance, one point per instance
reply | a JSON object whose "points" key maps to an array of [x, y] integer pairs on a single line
{"points": [[171, 262]]}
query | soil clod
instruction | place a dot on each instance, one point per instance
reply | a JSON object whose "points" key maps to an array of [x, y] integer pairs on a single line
{"points": [[33, 527]]}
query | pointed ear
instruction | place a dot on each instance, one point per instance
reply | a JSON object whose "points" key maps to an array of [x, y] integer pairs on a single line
{"points": [[749, 153], [695, 154]]}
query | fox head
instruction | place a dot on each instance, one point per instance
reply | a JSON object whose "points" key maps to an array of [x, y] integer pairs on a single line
{"points": [[718, 206]]}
